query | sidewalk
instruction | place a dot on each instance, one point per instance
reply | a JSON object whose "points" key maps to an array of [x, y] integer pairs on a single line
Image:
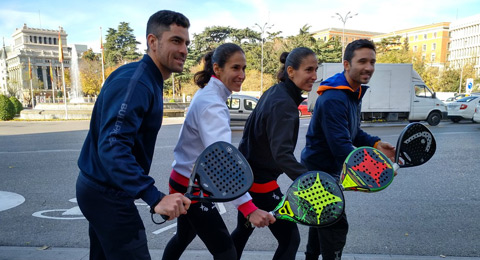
{"points": [[34, 253]]}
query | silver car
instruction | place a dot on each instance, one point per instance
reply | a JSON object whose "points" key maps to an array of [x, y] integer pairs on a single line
{"points": [[463, 108], [240, 107]]}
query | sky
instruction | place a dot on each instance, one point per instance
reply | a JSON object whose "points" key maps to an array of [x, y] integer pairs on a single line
{"points": [[82, 19]]}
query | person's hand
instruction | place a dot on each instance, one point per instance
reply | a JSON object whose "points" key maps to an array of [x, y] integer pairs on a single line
{"points": [[261, 218], [173, 205], [388, 150]]}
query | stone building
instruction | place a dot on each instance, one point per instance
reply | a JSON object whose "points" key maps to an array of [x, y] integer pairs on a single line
{"points": [[41, 48]]}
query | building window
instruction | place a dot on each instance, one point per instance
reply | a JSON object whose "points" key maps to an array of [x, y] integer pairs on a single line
{"points": [[434, 35], [416, 37], [45, 40], [50, 40], [433, 57], [425, 36], [39, 39], [424, 47], [415, 48], [434, 46], [54, 41], [35, 39]]}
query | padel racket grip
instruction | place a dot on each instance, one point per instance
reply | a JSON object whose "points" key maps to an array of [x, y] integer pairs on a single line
{"points": [[396, 167]]}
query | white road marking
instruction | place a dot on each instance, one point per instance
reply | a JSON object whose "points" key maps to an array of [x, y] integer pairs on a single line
{"points": [[10, 200]]}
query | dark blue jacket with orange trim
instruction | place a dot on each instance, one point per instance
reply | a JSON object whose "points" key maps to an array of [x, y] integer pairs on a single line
{"points": [[334, 129]]}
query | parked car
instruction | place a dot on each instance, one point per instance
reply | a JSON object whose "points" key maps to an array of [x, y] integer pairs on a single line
{"points": [[476, 115], [463, 108], [303, 109], [240, 107]]}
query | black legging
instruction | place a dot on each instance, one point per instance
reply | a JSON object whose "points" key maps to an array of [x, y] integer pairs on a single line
{"points": [[328, 241], [285, 232], [204, 220]]}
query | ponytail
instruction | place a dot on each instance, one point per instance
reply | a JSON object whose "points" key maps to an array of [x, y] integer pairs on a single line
{"points": [[202, 77]]}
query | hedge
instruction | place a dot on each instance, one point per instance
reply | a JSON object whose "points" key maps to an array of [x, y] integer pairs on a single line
{"points": [[7, 109]]}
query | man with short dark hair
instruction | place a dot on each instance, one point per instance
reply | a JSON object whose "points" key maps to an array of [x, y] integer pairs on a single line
{"points": [[334, 132], [116, 157]]}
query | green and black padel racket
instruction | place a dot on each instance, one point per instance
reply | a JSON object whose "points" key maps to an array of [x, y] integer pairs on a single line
{"points": [[313, 199], [366, 169]]}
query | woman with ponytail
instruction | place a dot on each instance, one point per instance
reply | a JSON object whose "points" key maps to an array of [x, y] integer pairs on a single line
{"points": [[208, 121], [268, 143]]}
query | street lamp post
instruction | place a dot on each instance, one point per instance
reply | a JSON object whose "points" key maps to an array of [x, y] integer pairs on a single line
{"points": [[262, 29], [462, 61], [344, 21]]}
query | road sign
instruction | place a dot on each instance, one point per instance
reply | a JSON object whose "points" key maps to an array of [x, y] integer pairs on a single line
{"points": [[469, 86]]}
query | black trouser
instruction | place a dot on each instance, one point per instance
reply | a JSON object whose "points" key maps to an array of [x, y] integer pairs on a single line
{"points": [[204, 220], [327, 241], [115, 228], [285, 232]]}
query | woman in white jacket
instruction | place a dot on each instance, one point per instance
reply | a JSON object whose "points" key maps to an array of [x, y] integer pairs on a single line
{"points": [[208, 121]]}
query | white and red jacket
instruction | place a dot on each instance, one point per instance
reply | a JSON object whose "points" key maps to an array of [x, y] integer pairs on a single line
{"points": [[207, 121]]}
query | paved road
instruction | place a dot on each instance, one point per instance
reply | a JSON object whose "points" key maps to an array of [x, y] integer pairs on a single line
{"points": [[430, 211]]}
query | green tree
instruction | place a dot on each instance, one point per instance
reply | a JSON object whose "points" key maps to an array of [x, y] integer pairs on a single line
{"points": [[391, 50], [90, 55], [449, 80], [330, 51], [120, 45]]}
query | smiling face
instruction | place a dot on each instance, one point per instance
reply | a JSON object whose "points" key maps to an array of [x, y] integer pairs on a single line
{"points": [[233, 72], [170, 50], [361, 69], [306, 74]]}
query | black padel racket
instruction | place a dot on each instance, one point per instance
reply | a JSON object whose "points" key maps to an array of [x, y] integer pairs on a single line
{"points": [[366, 169], [415, 146], [221, 173], [313, 199]]}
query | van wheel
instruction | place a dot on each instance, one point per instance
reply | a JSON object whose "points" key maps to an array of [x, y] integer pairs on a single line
{"points": [[434, 118]]}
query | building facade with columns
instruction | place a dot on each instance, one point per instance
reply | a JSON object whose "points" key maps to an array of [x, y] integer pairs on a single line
{"points": [[40, 48], [464, 46]]}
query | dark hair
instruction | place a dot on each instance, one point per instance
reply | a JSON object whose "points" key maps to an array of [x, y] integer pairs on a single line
{"points": [[355, 45], [293, 59], [161, 21], [220, 56]]}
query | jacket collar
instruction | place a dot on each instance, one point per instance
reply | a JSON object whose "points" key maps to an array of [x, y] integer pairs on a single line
{"points": [[293, 91], [222, 89], [153, 68], [339, 82]]}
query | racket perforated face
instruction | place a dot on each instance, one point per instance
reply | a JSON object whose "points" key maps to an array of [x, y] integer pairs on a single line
{"points": [[366, 169], [415, 146], [313, 199], [222, 173]]}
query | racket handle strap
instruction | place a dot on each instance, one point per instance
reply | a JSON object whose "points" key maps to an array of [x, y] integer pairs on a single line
{"points": [[396, 167]]}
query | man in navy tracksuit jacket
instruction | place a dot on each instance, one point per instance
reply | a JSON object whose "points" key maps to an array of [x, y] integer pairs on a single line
{"points": [[334, 132], [116, 157]]}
